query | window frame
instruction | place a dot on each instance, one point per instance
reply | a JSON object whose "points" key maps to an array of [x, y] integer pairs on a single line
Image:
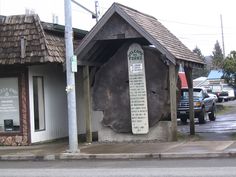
{"points": [[44, 117], [20, 132]]}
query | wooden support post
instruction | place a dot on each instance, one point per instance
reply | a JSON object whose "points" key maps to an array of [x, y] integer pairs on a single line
{"points": [[87, 103], [188, 73], [172, 81]]}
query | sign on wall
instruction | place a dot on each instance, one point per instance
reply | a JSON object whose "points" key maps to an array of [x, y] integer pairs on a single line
{"points": [[137, 90], [9, 101]]}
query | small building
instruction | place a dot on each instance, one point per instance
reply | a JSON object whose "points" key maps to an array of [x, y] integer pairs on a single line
{"points": [[33, 104], [215, 77], [102, 55]]}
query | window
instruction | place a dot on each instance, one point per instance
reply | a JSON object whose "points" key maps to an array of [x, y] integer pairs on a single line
{"points": [[9, 105], [39, 108], [196, 93]]}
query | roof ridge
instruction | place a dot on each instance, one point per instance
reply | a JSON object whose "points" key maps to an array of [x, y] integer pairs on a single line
{"points": [[118, 4], [11, 19], [40, 30]]}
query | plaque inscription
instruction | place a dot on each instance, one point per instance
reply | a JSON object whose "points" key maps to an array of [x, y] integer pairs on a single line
{"points": [[137, 90]]}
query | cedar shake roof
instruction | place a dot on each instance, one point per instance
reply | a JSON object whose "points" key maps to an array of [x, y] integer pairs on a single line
{"points": [[149, 28], [160, 33], [43, 43]]}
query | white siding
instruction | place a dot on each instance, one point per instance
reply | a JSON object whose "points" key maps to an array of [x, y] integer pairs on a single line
{"points": [[55, 102]]}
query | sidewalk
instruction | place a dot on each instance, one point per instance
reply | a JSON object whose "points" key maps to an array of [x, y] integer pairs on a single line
{"points": [[156, 150]]}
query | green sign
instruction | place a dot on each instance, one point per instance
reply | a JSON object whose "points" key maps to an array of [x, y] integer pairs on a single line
{"points": [[74, 63]]}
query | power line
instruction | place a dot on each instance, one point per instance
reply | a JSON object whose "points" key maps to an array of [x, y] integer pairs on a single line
{"points": [[189, 24], [209, 34], [198, 25]]}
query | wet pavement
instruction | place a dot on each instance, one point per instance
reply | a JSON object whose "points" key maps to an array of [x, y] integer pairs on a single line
{"points": [[223, 128]]}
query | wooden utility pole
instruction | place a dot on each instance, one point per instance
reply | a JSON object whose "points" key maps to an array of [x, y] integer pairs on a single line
{"points": [[188, 73], [172, 82]]}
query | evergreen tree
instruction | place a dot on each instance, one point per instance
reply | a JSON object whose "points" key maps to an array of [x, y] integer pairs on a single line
{"points": [[229, 68], [218, 57], [198, 72]]}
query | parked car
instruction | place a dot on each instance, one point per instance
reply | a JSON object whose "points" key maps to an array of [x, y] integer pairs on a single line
{"points": [[223, 96], [224, 92], [203, 105], [229, 92]]}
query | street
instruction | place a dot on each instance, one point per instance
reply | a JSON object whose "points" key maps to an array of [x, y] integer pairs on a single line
{"points": [[127, 168], [223, 128]]}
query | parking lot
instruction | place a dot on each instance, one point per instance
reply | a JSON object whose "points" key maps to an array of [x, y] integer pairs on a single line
{"points": [[223, 128]]}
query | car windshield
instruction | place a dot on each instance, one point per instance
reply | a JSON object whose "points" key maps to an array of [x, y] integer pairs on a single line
{"points": [[196, 93]]}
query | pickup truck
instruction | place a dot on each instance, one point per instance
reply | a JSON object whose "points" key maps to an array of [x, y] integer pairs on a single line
{"points": [[203, 105]]}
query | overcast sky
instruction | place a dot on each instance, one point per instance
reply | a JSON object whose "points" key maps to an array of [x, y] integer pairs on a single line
{"points": [[194, 22]]}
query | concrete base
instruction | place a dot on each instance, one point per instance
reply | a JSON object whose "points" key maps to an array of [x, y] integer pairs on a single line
{"points": [[160, 132]]}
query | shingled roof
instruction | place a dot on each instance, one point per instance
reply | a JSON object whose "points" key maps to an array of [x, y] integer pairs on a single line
{"points": [[149, 28], [43, 42]]}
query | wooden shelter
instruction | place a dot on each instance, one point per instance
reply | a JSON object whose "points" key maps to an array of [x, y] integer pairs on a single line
{"points": [[121, 24]]}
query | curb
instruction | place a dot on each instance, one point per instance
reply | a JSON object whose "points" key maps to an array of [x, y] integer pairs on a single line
{"points": [[77, 156], [17, 157], [198, 155], [28, 157], [158, 156], [81, 156]]}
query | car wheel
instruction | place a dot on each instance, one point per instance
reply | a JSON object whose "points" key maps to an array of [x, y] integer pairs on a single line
{"points": [[212, 115], [202, 115]]}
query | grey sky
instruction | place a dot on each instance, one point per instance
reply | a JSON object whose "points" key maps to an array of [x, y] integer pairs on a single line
{"points": [[195, 23]]}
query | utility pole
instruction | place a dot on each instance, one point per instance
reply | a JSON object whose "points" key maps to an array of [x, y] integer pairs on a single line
{"points": [[0, 7], [70, 88], [96, 10], [70, 77], [86, 83], [222, 34]]}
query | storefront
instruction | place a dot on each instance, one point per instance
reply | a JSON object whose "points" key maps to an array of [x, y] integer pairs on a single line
{"points": [[33, 105], [14, 114]]}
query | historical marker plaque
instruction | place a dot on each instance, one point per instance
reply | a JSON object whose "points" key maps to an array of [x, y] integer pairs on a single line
{"points": [[137, 90]]}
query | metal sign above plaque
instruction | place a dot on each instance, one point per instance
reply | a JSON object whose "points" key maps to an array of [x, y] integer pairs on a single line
{"points": [[137, 90]]}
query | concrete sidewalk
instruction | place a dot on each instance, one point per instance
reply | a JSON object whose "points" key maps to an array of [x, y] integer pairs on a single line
{"points": [[155, 150]]}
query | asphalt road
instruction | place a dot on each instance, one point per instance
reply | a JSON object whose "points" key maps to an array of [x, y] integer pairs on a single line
{"points": [[222, 128], [128, 168]]}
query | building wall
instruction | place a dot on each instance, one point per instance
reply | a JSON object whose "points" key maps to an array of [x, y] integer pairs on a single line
{"points": [[55, 102]]}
